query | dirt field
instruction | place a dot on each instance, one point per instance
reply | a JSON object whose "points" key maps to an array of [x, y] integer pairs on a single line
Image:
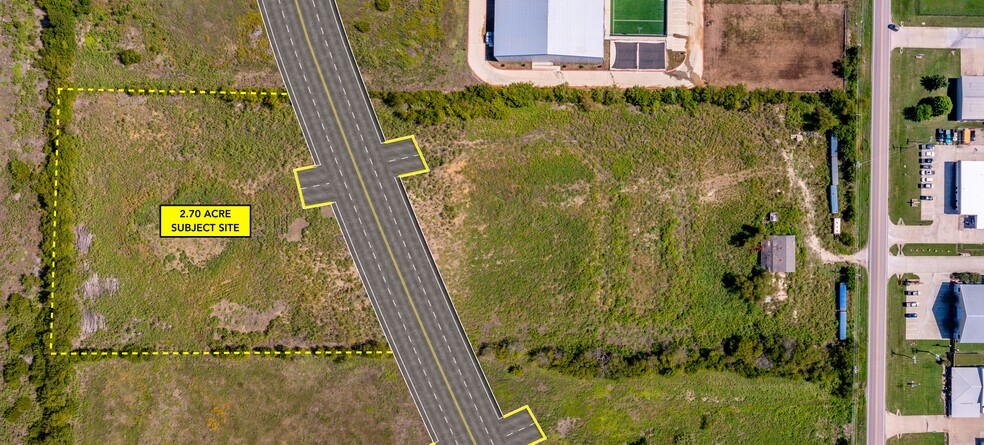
{"points": [[790, 47]]}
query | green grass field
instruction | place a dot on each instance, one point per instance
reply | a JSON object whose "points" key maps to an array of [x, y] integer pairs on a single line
{"points": [[359, 401], [943, 249], [966, 13], [927, 397], [705, 407], [139, 152], [918, 439], [906, 135], [951, 7], [638, 17]]}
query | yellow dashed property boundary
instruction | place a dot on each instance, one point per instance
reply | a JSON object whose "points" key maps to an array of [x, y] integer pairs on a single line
{"points": [[412, 138], [526, 408], [316, 352]]}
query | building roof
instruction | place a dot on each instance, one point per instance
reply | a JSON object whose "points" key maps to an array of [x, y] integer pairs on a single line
{"points": [[550, 27], [965, 392], [970, 312], [970, 187], [779, 253], [970, 105]]}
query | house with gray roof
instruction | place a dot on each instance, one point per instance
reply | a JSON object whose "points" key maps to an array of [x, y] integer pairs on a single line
{"points": [[970, 313], [779, 254], [562, 31], [965, 391]]}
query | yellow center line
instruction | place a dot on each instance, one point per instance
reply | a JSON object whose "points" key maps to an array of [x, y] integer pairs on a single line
{"points": [[379, 225]]}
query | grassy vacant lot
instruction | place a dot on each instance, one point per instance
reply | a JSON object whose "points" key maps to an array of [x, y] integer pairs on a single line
{"points": [[291, 283], [620, 224], [919, 439], [414, 44], [927, 398], [362, 401], [943, 249], [906, 135], [791, 47], [706, 407], [612, 229], [939, 12]]}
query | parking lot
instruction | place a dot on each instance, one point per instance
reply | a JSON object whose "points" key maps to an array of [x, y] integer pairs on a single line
{"points": [[948, 225], [934, 311]]}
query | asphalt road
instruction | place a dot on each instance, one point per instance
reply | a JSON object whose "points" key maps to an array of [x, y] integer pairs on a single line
{"points": [[360, 175], [878, 236]]}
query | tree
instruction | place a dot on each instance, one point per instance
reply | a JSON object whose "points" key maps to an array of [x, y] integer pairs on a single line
{"points": [[941, 105], [382, 5], [362, 26], [934, 82], [826, 119], [130, 57], [918, 113]]}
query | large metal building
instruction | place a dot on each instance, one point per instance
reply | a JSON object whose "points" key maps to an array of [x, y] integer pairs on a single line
{"points": [[562, 31], [970, 313], [970, 98], [970, 190]]}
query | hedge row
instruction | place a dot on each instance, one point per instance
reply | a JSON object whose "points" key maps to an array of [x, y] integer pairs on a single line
{"points": [[52, 375]]}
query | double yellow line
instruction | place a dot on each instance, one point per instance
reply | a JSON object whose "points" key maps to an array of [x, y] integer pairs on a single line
{"points": [[379, 225]]}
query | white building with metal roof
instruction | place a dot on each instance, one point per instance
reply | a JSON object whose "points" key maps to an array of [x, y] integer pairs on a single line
{"points": [[965, 392], [562, 31], [970, 98], [970, 189], [970, 313]]}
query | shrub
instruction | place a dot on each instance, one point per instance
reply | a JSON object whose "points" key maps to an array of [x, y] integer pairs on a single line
{"points": [[13, 370], [130, 57], [20, 173], [382, 5], [934, 82], [362, 26], [21, 406]]}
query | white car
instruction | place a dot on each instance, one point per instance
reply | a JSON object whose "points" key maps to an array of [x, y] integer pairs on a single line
{"points": [[927, 154], [927, 172], [925, 179]]}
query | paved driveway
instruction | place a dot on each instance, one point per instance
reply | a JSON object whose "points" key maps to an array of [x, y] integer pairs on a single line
{"points": [[960, 431], [925, 37]]}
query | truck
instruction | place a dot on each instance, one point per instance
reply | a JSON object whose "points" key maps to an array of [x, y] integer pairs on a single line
{"points": [[842, 326], [842, 297]]}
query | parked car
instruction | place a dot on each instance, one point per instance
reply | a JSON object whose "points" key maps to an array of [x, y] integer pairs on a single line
{"points": [[910, 315], [927, 172], [925, 179], [925, 166], [911, 304], [926, 198], [948, 136], [925, 186], [926, 161], [893, 27], [912, 293], [488, 39], [939, 135], [927, 154], [973, 135]]}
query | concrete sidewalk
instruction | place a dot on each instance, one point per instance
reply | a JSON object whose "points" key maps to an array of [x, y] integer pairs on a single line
{"points": [[926, 37], [961, 431]]}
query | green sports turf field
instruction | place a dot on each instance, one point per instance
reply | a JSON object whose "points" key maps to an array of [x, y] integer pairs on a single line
{"points": [[639, 17]]}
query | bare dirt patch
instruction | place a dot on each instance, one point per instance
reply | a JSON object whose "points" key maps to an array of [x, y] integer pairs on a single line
{"points": [[236, 317], [789, 47], [296, 229]]}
